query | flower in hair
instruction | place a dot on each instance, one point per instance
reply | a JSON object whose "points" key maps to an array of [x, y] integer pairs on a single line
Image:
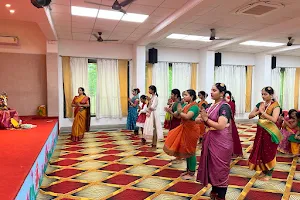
{"points": [[269, 88], [222, 84]]}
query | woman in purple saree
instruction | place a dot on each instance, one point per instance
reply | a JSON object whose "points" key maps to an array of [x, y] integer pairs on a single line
{"points": [[217, 146]]}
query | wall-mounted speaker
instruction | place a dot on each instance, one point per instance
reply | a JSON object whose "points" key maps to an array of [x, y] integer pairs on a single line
{"points": [[218, 59], [273, 62], [153, 55], [40, 3]]}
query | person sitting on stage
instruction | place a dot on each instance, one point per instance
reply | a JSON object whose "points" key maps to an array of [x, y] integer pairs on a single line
{"points": [[8, 117]]}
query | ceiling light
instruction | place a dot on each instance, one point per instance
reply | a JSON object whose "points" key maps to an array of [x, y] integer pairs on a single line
{"points": [[7, 5], [86, 12], [132, 17], [177, 36], [262, 44], [107, 14], [12, 11], [197, 38]]}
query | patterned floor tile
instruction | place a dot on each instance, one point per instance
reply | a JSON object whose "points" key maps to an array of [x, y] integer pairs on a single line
{"points": [[130, 194], [170, 197], [93, 176], [142, 170], [153, 183], [96, 191], [112, 164]]}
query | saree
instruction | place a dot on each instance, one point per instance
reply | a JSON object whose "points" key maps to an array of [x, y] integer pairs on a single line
{"points": [[267, 138], [181, 142], [175, 121], [201, 105], [217, 148], [237, 147], [285, 145], [132, 114], [6, 116], [82, 118]]}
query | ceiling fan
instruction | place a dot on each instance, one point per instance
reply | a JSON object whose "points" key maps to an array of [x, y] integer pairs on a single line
{"points": [[291, 42], [213, 35], [116, 6], [100, 39]]}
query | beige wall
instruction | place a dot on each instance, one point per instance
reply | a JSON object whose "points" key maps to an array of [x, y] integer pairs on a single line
{"points": [[23, 77], [32, 40], [23, 67]]}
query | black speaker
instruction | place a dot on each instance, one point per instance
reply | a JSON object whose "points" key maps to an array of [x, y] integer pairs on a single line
{"points": [[273, 62], [218, 59], [153, 55], [40, 3]]}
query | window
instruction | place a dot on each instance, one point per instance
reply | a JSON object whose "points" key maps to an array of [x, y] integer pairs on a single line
{"points": [[92, 81]]}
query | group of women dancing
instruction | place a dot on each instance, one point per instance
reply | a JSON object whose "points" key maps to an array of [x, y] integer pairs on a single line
{"points": [[189, 122]]}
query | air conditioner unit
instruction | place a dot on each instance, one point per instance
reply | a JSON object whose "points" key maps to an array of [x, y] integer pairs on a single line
{"points": [[259, 8], [9, 40]]}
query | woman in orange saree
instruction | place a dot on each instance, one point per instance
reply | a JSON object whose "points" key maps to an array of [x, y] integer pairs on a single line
{"points": [[268, 135], [181, 142], [82, 117]]}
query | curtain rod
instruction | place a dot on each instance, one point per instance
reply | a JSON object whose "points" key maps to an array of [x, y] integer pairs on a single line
{"points": [[94, 57]]}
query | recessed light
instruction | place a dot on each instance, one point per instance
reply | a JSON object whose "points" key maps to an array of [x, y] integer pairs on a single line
{"points": [[262, 44], [108, 14], [85, 12], [12, 11], [132, 17], [197, 38], [177, 36], [189, 37], [7, 5]]}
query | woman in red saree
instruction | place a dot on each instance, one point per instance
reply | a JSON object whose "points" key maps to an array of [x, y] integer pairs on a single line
{"points": [[217, 145], [268, 135], [176, 98], [82, 117], [237, 147], [181, 142], [202, 104]]}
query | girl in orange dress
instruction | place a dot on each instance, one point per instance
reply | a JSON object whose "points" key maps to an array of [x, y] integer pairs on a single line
{"points": [[181, 142], [82, 117]]}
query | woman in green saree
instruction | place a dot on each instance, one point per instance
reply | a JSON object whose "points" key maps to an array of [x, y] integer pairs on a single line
{"points": [[268, 135]]}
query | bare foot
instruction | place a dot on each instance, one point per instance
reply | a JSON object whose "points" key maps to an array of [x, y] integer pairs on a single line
{"points": [[266, 178], [188, 177], [262, 175]]}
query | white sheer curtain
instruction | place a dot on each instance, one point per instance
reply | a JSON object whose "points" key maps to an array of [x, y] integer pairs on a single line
{"points": [[108, 89], [79, 69], [160, 78], [181, 76], [288, 88], [276, 82], [234, 77]]}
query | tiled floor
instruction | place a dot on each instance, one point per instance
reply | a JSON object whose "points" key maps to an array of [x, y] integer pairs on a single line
{"points": [[115, 166]]}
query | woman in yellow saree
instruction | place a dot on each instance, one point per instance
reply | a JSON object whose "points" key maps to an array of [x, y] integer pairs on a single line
{"points": [[82, 117], [268, 135]]}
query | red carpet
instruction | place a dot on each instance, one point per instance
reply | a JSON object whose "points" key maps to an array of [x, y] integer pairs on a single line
{"points": [[18, 152]]}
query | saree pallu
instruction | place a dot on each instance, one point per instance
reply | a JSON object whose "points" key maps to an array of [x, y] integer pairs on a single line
{"points": [[82, 119], [214, 165], [263, 155], [216, 154], [237, 147], [181, 142]]}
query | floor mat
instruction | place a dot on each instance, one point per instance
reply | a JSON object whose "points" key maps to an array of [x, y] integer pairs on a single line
{"points": [[115, 166]]}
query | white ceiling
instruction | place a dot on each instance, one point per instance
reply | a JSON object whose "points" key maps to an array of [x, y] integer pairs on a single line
{"points": [[81, 28]]}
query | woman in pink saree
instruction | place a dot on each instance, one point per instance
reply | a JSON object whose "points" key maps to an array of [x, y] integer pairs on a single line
{"points": [[82, 117], [237, 147], [217, 145]]}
